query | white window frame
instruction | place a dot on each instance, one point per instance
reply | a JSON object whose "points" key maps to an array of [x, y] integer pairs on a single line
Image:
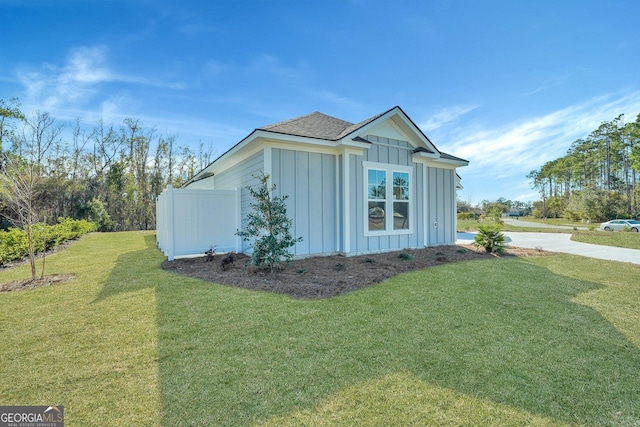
{"points": [[388, 200]]}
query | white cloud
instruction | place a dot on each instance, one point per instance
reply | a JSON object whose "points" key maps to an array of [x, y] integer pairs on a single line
{"points": [[533, 92], [447, 115], [525, 145], [79, 80], [86, 65], [503, 156], [51, 86]]}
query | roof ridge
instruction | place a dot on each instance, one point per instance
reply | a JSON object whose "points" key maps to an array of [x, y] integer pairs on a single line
{"points": [[358, 125], [303, 117], [288, 120], [313, 125]]}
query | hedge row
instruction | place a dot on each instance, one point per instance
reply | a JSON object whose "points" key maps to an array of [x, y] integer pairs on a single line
{"points": [[14, 244]]}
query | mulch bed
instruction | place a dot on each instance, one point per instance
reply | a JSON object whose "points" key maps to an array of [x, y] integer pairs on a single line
{"points": [[20, 285], [313, 277], [329, 276]]}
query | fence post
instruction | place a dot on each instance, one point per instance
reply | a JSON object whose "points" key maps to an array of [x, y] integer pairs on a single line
{"points": [[169, 223]]}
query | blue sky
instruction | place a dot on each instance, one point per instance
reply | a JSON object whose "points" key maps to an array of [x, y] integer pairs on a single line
{"points": [[507, 85]]}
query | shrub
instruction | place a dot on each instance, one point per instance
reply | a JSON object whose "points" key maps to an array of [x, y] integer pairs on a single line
{"points": [[572, 215], [405, 256], [490, 238], [226, 261], [466, 216], [14, 244], [67, 229], [268, 227]]}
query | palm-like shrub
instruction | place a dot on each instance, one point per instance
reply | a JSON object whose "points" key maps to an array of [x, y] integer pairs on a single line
{"points": [[491, 238]]}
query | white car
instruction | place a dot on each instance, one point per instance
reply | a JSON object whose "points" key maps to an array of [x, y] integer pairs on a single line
{"points": [[620, 224]]}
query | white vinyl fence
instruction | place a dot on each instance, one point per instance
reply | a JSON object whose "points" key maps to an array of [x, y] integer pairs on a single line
{"points": [[190, 222]]}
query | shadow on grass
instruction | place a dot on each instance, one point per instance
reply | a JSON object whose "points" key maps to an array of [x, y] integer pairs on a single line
{"points": [[133, 271], [503, 330]]}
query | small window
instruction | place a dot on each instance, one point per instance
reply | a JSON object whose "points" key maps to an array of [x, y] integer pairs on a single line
{"points": [[388, 206], [377, 193], [400, 201]]}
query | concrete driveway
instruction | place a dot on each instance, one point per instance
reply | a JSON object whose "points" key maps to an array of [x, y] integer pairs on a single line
{"points": [[556, 242]]}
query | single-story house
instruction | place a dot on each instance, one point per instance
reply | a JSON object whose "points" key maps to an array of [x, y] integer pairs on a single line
{"points": [[374, 186]]}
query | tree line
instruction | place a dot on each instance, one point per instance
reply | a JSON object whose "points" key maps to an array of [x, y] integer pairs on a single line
{"points": [[493, 208], [108, 174], [598, 178]]}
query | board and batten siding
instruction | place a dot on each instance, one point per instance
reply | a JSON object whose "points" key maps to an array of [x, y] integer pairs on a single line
{"points": [[441, 206], [393, 152], [309, 181], [241, 176], [432, 206]]}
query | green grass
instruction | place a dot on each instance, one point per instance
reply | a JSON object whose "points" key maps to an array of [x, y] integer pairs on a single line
{"points": [[539, 341], [472, 225], [558, 222], [619, 239]]}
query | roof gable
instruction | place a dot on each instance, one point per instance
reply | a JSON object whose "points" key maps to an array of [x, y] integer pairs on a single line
{"points": [[321, 126], [397, 119], [336, 132]]}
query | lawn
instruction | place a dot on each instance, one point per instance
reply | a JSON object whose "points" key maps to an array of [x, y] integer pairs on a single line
{"points": [[565, 222], [472, 225], [547, 341], [608, 238]]}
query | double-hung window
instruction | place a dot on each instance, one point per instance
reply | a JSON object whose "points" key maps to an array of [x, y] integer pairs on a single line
{"points": [[388, 199]]}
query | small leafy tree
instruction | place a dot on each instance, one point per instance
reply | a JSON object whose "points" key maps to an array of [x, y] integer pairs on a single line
{"points": [[268, 227], [98, 214], [490, 238]]}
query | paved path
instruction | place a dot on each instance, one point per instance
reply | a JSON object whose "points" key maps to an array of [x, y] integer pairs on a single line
{"points": [[556, 242]]}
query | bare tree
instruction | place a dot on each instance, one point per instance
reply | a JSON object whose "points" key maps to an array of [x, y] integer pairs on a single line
{"points": [[20, 179]]}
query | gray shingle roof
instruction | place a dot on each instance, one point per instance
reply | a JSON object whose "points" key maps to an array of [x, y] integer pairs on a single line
{"points": [[450, 157], [357, 126], [318, 125], [314, 125]]}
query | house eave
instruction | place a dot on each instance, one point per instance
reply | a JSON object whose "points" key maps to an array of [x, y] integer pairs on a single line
{"points": [[267, 136], [437, 159], [355, 143], [457, 163], [276, 138], [425, 155]]}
